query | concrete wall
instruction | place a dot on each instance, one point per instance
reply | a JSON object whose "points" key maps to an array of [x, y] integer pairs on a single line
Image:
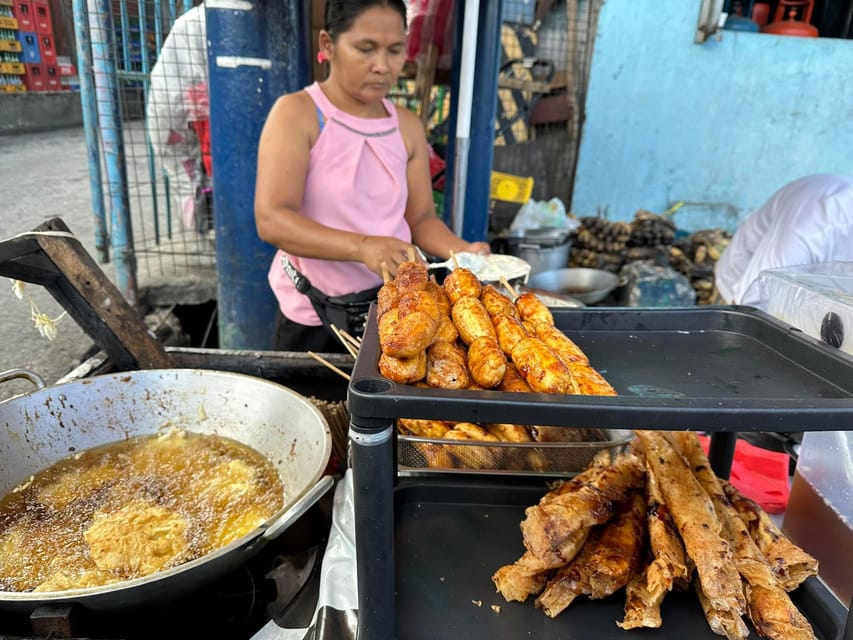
{"points": [[28, 112], [719, 125]]}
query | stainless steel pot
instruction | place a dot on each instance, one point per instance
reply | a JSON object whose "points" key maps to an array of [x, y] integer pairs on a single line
{"points": [[40, 428], [587, 285]]}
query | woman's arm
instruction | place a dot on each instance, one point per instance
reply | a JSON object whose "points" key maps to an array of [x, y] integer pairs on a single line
{"points": [[428, 231], [283, 158]]}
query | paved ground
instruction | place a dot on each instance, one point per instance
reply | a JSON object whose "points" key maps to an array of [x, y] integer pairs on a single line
{"points": [[46, 175]]}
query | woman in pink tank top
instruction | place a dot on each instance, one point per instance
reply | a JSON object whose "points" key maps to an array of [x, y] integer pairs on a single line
{"points": [[343, 182]]}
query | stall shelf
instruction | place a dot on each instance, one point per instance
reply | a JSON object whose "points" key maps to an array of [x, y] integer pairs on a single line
{"points": [[715, 369]]}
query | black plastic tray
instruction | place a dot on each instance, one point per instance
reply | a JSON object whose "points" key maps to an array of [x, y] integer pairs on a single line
{"points": [[711, 368], [450, 537]]}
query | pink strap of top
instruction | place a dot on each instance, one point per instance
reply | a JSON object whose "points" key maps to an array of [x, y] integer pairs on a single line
{"points": [[356, 181]]}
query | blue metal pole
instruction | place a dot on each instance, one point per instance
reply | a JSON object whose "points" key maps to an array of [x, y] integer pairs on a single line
{"points": [[475, 224], [146, 87], [257, 50], [112, 139], [90, 126]]}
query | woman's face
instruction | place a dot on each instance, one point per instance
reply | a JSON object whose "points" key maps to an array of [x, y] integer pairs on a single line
{"points": [[367, 59]]}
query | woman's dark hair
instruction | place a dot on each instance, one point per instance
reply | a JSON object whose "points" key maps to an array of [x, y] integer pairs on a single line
{"points": [[341, 14]]}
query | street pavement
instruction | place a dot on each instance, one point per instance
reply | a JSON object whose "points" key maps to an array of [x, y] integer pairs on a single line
{"points": [[42, 176]]}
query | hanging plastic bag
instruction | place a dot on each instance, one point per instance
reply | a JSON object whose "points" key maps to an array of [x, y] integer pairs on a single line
{"points": [[538, 214]]}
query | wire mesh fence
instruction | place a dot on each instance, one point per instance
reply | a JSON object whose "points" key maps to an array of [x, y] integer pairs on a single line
{"points": [[149, 64]]}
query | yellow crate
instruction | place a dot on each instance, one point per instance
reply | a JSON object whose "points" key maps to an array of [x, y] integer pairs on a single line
{"points": [[7, 3], [14, 68], [10, 45], [8, 23], [510, 188]]}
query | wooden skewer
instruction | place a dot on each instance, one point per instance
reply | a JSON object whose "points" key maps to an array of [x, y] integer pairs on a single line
{"points": [[455, 261], [355, 342], [343, 341], [412, 254], [509, 287], [386, 275], [328, 364]]}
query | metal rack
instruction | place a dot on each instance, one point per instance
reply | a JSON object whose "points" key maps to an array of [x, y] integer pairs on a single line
{"points": [[718, 369]]}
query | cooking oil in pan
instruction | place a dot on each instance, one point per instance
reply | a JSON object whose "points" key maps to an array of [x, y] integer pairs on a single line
{"points": [[128, 509]]}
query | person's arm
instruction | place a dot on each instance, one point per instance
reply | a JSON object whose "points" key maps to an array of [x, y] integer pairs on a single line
{"points": [[283, 159], [428, 230]]}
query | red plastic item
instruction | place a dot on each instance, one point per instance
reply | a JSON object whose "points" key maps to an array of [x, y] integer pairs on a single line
{"points": [[202, 130], [761, 13], [34, 79], [23, 12], [42, 18], [759, 474]]}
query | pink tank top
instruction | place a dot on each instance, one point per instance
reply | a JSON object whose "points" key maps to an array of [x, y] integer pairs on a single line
{"points": [[357, 182]]}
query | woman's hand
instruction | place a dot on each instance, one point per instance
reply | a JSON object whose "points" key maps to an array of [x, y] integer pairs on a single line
{"points": [[481, 248], [376, 250]]}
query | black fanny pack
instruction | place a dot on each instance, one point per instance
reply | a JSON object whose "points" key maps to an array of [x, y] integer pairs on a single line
{"points": [[345, 312]]}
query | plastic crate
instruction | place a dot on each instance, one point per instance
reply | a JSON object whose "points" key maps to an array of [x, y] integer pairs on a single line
{"points": [[42, 17], [47, 49], [8, 23], [12, 68], [30, 47], [23, 10], [52, 79], [34, 77]]}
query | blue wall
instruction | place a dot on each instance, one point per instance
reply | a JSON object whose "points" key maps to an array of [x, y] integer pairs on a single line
{"points": [[719, 125]]}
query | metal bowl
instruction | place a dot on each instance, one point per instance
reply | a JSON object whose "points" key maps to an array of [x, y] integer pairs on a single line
{"points": [[587, 285]]}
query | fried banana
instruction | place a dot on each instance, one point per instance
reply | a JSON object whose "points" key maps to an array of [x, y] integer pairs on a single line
{"points": [[532, 309], [446, 366], [461, 283], [560, 343], [513, 382], [541, 368], [423, 428], [496, 302], [509, 331], [472, 320], [411, 276], [486, 362], [403, 370]]}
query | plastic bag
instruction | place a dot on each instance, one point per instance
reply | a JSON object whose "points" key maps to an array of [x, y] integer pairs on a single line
{"points": [[430, 23], [538, 214]]}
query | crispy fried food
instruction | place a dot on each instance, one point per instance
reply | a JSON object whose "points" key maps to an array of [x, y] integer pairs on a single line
{"points": [[509, 432], [774, 615], [411, 276], [474, 457], [472, 320], [590, 382], [486, 362], [513, 382], [446, 331], [722, 622], [461, 283], [418, 302], [446, 366], [542, 433], [387, 298], [667, 569], [560, 343], [423, 428], [788, 562], [696, 519], [541, 368], [509, 330], [496, 302], [595, 500], [612, 560], [528, 575], [531, 309], [436, 455], [406, 337], [403, 370], [440, 296], [138, 539]]}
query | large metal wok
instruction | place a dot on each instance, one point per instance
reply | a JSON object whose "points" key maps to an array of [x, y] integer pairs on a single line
{"points": [[46, 425]]}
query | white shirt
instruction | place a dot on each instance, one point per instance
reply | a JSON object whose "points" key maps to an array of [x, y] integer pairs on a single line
{"points": [[807, 221]]}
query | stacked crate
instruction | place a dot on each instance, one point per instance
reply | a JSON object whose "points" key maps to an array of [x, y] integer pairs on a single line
{"points": [[38, 52], [11, 67]]}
